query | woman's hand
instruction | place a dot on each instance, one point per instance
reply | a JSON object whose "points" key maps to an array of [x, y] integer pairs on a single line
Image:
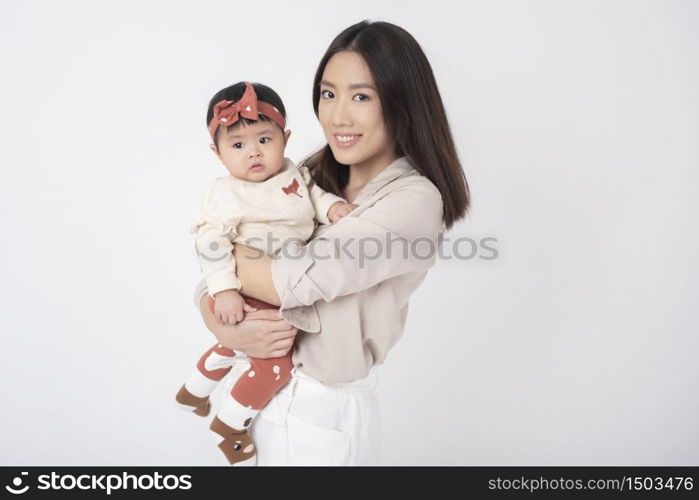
{"points": [[262, 334]]}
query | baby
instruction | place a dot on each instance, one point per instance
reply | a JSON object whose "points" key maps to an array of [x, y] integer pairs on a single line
{"points": [[265, 202]]}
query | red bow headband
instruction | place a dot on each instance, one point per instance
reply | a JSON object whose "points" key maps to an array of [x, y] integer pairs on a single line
{"points": [[228, 112]]}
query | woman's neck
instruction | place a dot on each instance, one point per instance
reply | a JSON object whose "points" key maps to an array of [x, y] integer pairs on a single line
{"points": [[362, 173]]}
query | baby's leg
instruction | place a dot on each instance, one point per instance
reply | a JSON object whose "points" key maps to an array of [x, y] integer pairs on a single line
{"points": [[257, 386], [211, 368], [251, 392]]}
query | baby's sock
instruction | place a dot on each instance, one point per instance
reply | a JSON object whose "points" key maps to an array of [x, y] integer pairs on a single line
{"points": [[229, 428], [187, 401], [194, 394], [211, 368], [235, 444]]}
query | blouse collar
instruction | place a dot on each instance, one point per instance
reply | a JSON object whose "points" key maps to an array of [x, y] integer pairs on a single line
{"points": [[398, 168]]}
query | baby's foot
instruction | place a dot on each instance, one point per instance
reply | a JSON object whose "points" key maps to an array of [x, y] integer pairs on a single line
{"points": [[190, 402], [235, 444]]}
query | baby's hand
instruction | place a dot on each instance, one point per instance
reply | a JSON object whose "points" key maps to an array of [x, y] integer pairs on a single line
{"points": [[230, 307], [339, 209]]}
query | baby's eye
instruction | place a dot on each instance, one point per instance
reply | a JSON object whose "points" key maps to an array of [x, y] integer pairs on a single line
{"points": [[363, 97], [264, 140], [238, 145], [326, 94]]}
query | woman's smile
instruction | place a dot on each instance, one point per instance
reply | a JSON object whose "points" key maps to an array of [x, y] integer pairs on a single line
{"points": [[346, 141]]}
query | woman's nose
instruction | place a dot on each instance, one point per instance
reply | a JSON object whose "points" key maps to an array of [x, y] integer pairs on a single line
{"points": [[341, 116]]}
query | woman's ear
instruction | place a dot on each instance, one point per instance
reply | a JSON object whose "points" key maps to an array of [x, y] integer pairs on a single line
{"points": [[287, 133], [213, 148]]}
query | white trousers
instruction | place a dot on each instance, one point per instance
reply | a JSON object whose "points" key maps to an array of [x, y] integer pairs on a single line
{"points": [[310, 423]]}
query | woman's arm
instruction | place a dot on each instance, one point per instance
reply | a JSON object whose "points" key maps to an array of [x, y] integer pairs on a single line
{"points": [[255, 274], [262, 334], [399, 234]]}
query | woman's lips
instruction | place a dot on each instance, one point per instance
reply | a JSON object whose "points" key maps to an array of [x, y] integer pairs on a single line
{"points": [[346, 141]]}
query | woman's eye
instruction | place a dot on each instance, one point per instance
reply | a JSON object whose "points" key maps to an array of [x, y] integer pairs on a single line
{"points": [[361, 97], [264, 140], [326, 94]]}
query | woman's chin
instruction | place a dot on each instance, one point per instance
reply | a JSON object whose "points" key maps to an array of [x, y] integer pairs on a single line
{"points": [[347, 157]]}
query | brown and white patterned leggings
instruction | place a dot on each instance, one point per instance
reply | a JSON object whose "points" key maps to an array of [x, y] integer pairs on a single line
{"points": [[258, 385]]}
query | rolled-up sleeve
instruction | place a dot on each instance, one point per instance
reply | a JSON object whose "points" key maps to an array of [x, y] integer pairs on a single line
{"points": [[303, 318], [398, 234]]}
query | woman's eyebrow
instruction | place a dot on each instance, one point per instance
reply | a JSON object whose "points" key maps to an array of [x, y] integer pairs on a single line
{"points": [[352, 86]]}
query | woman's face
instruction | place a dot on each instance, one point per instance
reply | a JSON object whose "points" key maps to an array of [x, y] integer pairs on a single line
{"points": [[350, 113]]}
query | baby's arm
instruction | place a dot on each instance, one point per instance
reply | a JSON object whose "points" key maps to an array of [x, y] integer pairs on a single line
{"points": [[215, 231], [329, 208]]}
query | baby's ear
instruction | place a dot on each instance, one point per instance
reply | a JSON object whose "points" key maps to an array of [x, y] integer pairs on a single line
{"points": [[213, 148], [287, 133]]}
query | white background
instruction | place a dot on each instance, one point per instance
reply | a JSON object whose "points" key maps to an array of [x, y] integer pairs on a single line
{"points": [[577, 124]]}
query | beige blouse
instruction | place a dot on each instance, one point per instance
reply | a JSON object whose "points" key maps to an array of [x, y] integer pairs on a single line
{"points": [[347, 290]]}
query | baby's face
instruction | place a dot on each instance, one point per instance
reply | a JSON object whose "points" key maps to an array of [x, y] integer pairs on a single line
{"points": [[252, 152]]}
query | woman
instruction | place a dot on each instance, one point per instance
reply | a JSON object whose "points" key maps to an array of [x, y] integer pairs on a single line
{"points": [[390, 152]]}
